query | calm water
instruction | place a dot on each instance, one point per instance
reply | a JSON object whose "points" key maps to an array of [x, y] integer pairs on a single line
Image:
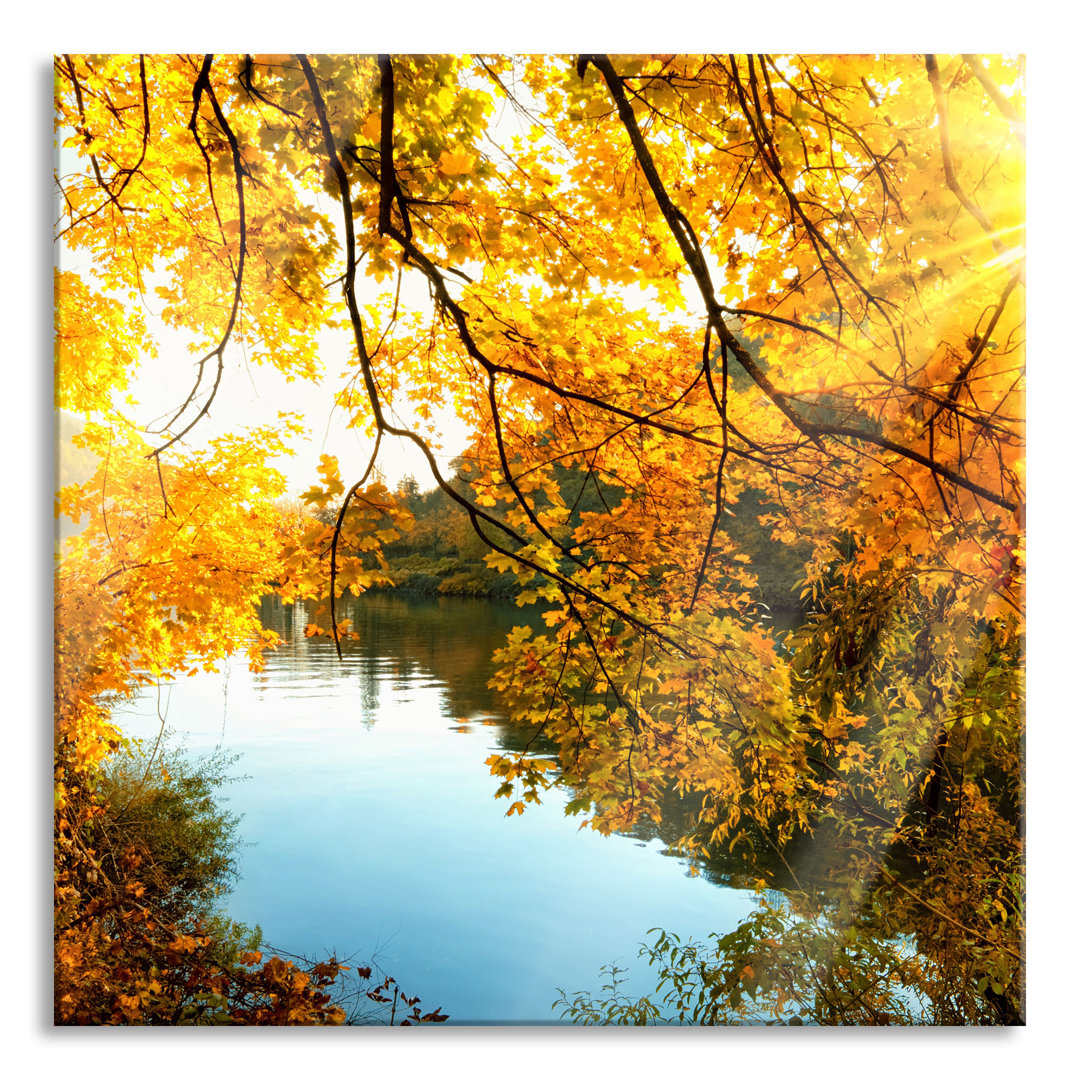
{"points": [[374, 831]]}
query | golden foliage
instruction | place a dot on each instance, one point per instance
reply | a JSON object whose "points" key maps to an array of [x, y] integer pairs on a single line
{"points": [[685, 279]]}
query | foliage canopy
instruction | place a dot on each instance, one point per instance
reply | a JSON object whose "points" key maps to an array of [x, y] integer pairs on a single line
{"points": [[678, 280]]}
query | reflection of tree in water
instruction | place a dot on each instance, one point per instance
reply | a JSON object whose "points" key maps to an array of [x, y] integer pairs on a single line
{"points": [[450, 641], [679, 813], [369, 690]]}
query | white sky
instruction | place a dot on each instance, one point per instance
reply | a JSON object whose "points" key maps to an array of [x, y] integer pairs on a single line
{"points": [[252, 394]]}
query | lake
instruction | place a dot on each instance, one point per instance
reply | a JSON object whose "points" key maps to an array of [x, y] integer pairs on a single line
{"points": [[372, 831]]}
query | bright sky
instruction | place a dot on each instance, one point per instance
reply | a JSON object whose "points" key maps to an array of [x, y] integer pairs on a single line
{"points": [[252, 393]]}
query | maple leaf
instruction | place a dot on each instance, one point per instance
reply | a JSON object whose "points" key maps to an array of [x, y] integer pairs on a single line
{"points": [[456, 162]]}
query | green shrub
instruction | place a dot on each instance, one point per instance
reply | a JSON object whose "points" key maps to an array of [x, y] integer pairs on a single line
{"points": [[163, 808]]}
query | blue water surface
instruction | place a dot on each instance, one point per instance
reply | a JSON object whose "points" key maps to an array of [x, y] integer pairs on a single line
{"points": [[371, 828]]}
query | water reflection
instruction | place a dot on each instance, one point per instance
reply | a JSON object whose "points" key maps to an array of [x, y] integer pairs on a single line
{"points": [[374, 826], [403, 643]]}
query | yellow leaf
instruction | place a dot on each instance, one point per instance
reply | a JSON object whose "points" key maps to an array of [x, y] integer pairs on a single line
{"points": [[456, 162]]}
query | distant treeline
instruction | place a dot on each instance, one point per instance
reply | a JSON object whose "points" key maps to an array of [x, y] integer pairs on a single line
{"points": [[442, 555]]}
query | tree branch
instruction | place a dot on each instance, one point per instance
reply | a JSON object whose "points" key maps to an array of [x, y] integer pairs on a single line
{"points": [[942, 107]]}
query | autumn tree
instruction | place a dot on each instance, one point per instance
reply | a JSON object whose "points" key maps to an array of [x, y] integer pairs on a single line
{"points": [[682, 281]]}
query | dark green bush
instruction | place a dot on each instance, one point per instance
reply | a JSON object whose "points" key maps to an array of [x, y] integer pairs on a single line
{"points": [[163, 808]]}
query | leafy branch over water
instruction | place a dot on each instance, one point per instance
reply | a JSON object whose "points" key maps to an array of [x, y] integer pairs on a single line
{"points": [[785, 288]]}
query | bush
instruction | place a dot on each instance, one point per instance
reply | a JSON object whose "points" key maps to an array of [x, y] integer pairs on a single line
{"points": [[466, 583], [165, 808]]}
